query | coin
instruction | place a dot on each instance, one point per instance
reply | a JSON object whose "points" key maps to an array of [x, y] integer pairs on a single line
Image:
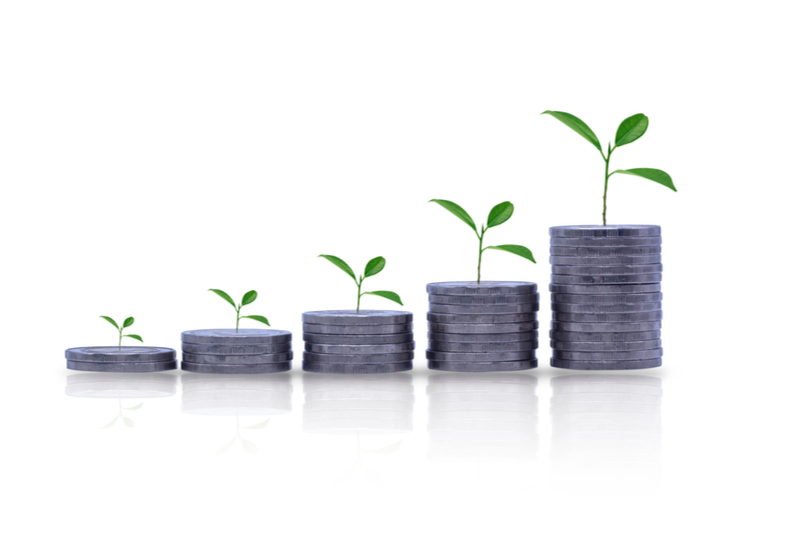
{"points": [[359, 349], [619, 308], [600, 251], [484, 288], [608, 299], [341, 329], [365, 317], [481, 319], [378, 368], [487, 329], [605, 241], [124, 354], [605, 289], [503, 366], [266, 368], [531, 298], [237, 359], [604, 356], [235, 349], [606, 280], [501, 337], [396, 338], [615, 365], [625, 346], [616, 230], [605, 327], [482, 347], [482, 309], [608, 260], [608, 317], [358, 359], [607, 270], [471, 357], [158, 366], [579, 336], [230, 336]]}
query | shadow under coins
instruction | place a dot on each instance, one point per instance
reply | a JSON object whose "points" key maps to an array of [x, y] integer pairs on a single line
{"points": [[606, 433]]}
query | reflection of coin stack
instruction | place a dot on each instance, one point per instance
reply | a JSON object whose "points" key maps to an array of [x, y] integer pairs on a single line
{"points": [[119, 385], [365, 404], [482, 417], [606, 428], [236, 394]]}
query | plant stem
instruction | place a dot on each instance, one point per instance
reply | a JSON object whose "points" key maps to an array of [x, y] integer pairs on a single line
{"points": [[358, 302], [480, 253], [237, 318], [605, 187], [119, 346]]}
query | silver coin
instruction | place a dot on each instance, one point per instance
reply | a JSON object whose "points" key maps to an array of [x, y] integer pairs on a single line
{"points": [[482, 309], [609, 260], [531, 298], [607, 299], [358, 359], [604, 356], [605, 289], [124, 354], [396, 338], [237, 359], [619, 308], [385, 329], [608, 317], [266, 368], [615, 365], [230, 336], [471, 357], [484, 288], [158, 366], [599, 251], [485, 329], [607, 270], [235, 349], [616, 230], [629, 336], [504, 366], [628, 346], [605, 327], [377, 368], [441, 318], [359, 349], [477, 338], [482, 347], [605, 241], [365, 317], [606, 280]]}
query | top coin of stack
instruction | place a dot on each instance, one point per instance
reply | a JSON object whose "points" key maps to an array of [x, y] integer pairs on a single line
{"points": [[606, 297], [226, 351], [358, 342], [482, 327]]}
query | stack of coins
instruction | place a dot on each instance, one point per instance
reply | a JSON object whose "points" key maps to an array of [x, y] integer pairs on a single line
{"points": [[365, 342], [121, 359], [226, 351], [606, 297], [482, 327]]}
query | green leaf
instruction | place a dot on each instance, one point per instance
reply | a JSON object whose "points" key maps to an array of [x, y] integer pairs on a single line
{"points": [[387, 449], [128, 322], [499, 214], [458, 211], [225, 448], [514, 249], [135, 407], [659, 176], [127, 421], [249, 447], [341, 264], [631, 129], [389, 295], [249, 297], [111, 320], [224, 296], [111, 423], [137, 337], [374, 266], [258, 318], [260, 425], [578, 126]]}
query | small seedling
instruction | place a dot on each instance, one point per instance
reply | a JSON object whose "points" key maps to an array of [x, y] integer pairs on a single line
{"points": [[499, 214], [628, 131], [248, 298], [128, 323], [373, 267]]}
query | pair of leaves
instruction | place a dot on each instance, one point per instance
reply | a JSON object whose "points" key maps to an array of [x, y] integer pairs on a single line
{"points": [[374, 266], [127, 323], [125, 420], [248, 298]]}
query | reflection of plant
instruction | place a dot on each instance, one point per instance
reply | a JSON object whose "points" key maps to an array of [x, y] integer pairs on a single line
{"points": [[371, 475], [374, 266], [128, 322], [248, 298], [248, 446], [125, 420]]}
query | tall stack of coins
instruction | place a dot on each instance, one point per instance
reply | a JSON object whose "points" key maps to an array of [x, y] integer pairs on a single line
{"points": [[606, 297], [121, 359], [365, 342], [226, 351], [482, 327]]}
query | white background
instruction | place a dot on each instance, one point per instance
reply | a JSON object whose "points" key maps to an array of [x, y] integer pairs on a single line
{"points": [[151, 150]]}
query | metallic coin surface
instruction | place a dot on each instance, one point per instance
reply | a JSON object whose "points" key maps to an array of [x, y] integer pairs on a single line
{"points": [[159, 366], [484, 288], [358, 359], [359, 349], [605, 241], [608, 317], [482, 337], [629, 336], [621, 270], [377, 368], [603, 356], [470, 357], [618, 308], [124, 354], [481, 319], [505, 366], [230, 336], [483, 309], [267, 368], [616, 230], [505, 299], [235, 349], [616, 365], [605, 289], [606, 280], [237, 359], [610, 260], [600, 327], [625, 346], [482, 347], [343, 329], [365, 317], [600, 251], [396, 338], [483, 329], [606, 299]]}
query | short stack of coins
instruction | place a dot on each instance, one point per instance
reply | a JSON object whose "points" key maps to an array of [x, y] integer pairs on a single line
{"points": [[482, 327], [363, 342], [227, 351], [121, 359], [606, 297]]}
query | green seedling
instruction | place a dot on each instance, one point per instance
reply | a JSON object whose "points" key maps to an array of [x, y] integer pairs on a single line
{"points": [[248, 298], [373, 267], [128, 323], [499, 214], [628, 131]]}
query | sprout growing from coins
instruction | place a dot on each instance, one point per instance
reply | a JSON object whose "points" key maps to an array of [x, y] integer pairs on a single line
{"points": [[248, 298], [126, 324], [373, 267]]}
